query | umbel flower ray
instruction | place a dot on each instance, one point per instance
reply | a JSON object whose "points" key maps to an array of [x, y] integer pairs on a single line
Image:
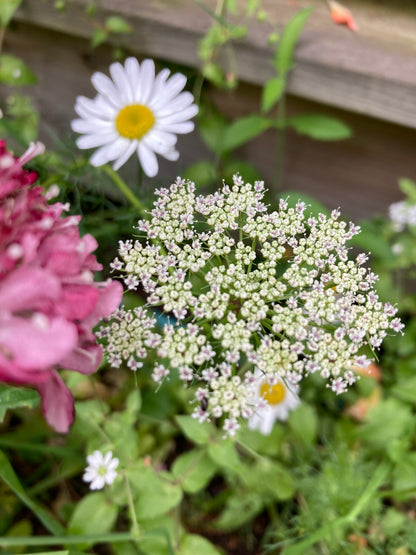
{"points": [[249, 290]]}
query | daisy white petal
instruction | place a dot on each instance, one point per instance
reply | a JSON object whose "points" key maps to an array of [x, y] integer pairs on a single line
{"points": [[94, 140], [122, 83], [176, 117], [275, 402], [169, 90], [171, 155], [88, 126], [122, 159], [134, 111], [148, 160], [180, 128], [147, 80], [106, 87], [181, 102]]}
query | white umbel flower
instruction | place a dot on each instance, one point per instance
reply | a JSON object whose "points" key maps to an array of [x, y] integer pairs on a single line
{"points": [[134, 111], [101, 470], [275, 402]]}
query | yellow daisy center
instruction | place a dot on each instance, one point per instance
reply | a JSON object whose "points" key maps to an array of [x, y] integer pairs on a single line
{"points": [[273, 394], [134, 121]]}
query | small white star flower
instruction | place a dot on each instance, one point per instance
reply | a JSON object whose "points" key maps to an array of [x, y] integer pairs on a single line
{"points": [[134, 111], [101, 470], [275, 402]]}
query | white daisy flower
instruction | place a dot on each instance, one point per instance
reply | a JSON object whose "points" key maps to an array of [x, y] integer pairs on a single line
{"points": [[134, 111], [100, 470], [274, 402]]}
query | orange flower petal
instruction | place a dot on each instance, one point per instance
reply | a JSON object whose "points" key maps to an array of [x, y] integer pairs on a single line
{"points": [[342, 15]]}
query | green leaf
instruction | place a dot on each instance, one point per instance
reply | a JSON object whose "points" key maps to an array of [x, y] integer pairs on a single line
{"points": [[283, 59], [13, 397], [8, 475], [194, 470], [272, 92], [268, 479], [224, 454], [192, 544], [320, 127], [243, 130], [117, 24], [240, 508], [94, 514], [404, 477], [154, 493], [7, 9], [99, 36], [201, 173], [406, 390], [408, 187], [212, 127], [198, 432], [387, 422], [304, 423], [13, 71]]}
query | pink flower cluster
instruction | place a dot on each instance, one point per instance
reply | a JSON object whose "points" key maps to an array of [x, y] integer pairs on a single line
{"points": [[49, 301]]}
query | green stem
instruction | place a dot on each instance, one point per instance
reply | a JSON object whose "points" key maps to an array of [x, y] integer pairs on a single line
{"points": [[280, 143], [124, 189], [135, 528], [114, 537], [377, 479]]}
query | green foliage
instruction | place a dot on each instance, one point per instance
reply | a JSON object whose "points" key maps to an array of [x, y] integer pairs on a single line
{"points": [[94, 514], [283, 59], [320, 127], [7, 9], [13, 397], [13, 71]]}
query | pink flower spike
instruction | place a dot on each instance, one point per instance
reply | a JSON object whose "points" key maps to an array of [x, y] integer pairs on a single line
{"points": [[57, 403], [33, 150], [49, 301], [342, 15]]}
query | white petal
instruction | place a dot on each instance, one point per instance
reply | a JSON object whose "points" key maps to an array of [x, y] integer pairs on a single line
{"points": [[178, 104], [113, 464], [181, 116], [147, 77], [172, 155], [98, 483], [122, 83], [132, 68], [159, 141], [91, 126], [109, 152], [107, 458], [96, 108], [185, 127], [106, 87], [97, 139], [148, 160], [122, 159], [173, 86], [158, 88]]}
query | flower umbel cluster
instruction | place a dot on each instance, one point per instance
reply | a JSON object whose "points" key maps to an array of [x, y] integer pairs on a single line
{"points": [[248, 290]]}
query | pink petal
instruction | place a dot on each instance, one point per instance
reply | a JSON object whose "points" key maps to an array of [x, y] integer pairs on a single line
{"points": [[57, 403], [85, 359], [31, 344], [26, 288]]}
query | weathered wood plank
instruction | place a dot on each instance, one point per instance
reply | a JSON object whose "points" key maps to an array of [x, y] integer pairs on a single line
{"points": [[372, 72]]}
